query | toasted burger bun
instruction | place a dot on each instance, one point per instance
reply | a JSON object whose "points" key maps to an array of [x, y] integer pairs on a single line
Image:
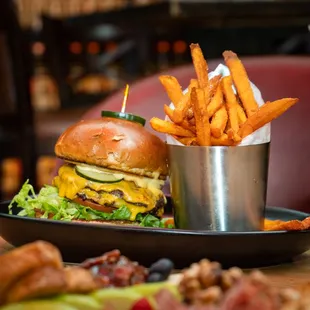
{"points": [[115, 144]]}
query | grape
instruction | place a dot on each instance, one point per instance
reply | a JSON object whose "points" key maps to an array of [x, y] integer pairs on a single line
{"points": [[155, 277], [163, 266]]}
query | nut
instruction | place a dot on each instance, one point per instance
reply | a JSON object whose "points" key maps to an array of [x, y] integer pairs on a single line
{"points": [[211, 295]]}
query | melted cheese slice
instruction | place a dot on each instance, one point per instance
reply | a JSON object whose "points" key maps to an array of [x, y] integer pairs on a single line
{"points": [[70, 184]]}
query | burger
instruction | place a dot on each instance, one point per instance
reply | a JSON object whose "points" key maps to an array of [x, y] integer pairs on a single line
{"points": [[113, 171]]}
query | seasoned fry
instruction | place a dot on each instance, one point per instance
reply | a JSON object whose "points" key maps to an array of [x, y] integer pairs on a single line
{"points": [[214, 83], [192, 121], [170, 113], [190, 113], [241, 82], [223, 140], [211, 112], [232, 135], [218, 123], [193, 83], [241, 115], [231, 103], [172, 87], [169, 128], [201, 117], [268, 112], [186, 141], [216, 102], [184, 104], [292, 225], [185, 123], [200, 65]]}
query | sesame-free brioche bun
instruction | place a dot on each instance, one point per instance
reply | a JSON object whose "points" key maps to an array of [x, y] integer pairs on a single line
{"points": [[114, 144]]}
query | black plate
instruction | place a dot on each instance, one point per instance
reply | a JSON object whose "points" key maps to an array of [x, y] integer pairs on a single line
{"points": [[78, 241]]}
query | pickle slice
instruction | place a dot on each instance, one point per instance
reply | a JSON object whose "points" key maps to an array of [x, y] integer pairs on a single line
{"points": [[125, 116], [96, 175]]}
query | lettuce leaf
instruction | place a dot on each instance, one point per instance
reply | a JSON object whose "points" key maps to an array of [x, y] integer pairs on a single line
{"points": [[49, 203]]}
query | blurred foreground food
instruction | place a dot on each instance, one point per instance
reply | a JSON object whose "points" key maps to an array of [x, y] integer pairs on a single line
{"points": [[34, 277]]}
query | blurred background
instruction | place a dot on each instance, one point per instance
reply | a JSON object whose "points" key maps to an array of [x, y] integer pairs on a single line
{"points": [[61, 58]]}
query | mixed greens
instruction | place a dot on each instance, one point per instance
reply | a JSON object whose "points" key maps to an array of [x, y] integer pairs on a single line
{"points": [[50, 205]]}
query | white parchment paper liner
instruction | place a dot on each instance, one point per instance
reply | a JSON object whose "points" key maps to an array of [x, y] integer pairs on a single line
{"points": [[261, 135]]}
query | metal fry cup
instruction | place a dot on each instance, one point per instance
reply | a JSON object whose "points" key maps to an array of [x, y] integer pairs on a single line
{"points": [[219, 188]]}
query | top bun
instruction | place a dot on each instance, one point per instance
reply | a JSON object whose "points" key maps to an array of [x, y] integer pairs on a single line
{"points": [[115, 144]]}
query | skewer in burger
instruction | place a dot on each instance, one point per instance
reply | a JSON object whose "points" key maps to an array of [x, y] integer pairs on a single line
{"points": [[113, 172]]}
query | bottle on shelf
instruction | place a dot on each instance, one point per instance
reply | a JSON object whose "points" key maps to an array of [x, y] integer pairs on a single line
{"points": [[44, 91], [163, 49], [179, 52], [76, 68]]}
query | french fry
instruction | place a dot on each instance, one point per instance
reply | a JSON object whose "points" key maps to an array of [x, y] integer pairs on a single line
{"points": [[214, 83], [241, 115], [172, 87], [216, 102], [192, 121], [232, 135], [185, 124], [169, 112], [186, 141], [241, 82], [223, 140], [201, 117], [193, 83], [218, 122], [200, 65], [231, 103], [185, 103], [190, 113], [267, 113], [169, 128], [210, 113]]}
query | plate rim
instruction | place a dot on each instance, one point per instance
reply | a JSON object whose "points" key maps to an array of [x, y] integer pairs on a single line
{"points": [[162, 231]]}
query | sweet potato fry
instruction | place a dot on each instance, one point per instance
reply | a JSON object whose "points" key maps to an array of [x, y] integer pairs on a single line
{"points": [[201, 117], [185, 123], [216, 102], [172, 87], [231, 103], [193, 83], [223, 140], [232, 135], [169, 128], [190, 113], [169, 112], [266, 113], [200, 65], [186, 141], [218, 122], [241, 115], [241, 82], [185, 103], [214, 83]]}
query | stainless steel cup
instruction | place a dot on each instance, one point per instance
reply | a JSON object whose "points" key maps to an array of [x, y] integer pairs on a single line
{"points": [[219, 188]]}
